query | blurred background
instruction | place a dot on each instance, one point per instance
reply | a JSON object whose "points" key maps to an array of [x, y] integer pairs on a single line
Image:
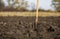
{"points": [[29, 5]]}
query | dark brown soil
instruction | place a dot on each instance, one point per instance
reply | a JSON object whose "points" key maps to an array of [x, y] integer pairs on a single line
{"points": [[25, 28]]}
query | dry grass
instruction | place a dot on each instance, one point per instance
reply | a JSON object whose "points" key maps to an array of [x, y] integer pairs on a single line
{"points": [[43, 14]]}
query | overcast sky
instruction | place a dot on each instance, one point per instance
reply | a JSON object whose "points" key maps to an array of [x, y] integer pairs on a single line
{"points": [[45, 4]]}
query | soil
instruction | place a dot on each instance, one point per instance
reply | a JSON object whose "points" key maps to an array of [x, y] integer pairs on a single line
{"points": [[25, 28]]}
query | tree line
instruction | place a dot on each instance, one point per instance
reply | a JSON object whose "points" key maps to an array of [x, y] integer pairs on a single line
{"points": [[22, 5]]}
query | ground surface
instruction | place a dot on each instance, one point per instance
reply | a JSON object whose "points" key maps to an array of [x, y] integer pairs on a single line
{"points": [[23, 28], [41, 14]]}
